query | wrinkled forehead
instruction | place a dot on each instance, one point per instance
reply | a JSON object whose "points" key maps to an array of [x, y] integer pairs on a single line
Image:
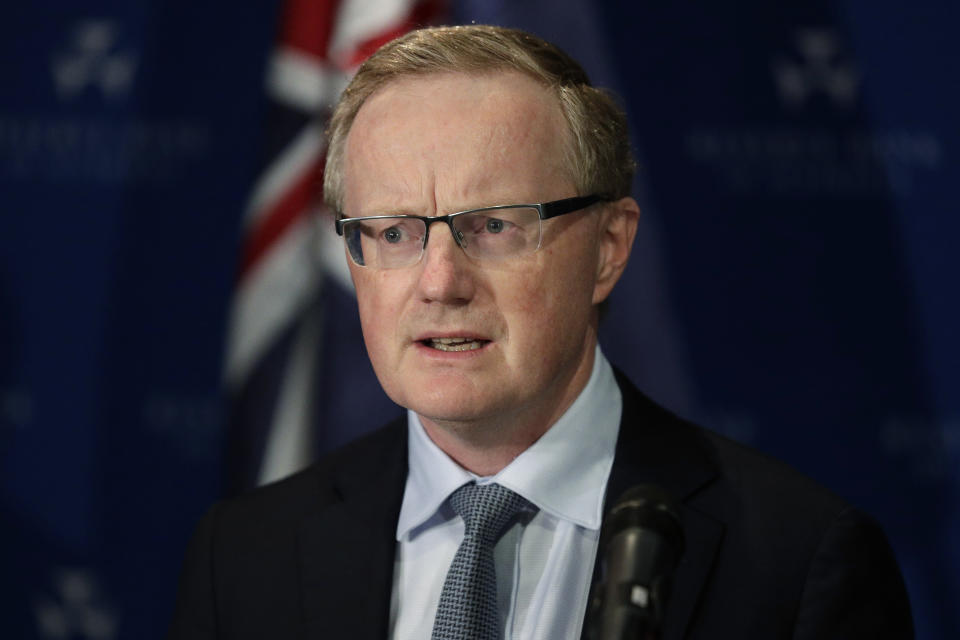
{"points": [[447, 118], [513, 93]]}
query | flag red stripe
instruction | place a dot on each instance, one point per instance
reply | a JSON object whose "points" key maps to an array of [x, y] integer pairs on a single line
{"points": [[307, 25], [288, 210]]}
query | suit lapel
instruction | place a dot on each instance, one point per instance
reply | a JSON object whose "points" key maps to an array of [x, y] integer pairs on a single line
{"points": [[656, 447], [347, 547]]}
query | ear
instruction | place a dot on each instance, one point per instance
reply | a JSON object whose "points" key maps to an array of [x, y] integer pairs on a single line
{"points": [[618, 226]]}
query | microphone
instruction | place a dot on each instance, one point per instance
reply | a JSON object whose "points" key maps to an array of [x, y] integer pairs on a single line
{"points": [[641, 543]]}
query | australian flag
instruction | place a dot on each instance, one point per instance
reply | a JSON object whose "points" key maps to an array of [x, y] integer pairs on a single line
{"points": [[297, 377]]}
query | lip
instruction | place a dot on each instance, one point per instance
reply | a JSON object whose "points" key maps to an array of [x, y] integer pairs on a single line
{"points": [[430, 352], [436, 354], [451, 334]]}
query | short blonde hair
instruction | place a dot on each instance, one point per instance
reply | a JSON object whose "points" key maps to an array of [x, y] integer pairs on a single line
{"points": [[598, 151]]}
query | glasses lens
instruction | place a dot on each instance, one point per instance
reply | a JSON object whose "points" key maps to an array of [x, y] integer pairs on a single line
{"points": [[384, 243], [496, 234]]}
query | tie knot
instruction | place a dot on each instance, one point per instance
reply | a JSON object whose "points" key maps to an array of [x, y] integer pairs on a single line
{"points": [[486, 508]]}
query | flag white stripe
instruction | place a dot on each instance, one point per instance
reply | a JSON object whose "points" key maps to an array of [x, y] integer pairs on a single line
{"points": [[290, 444], [278, 178], [361, 20], [331, 253], [271, 296], [303, 82]]}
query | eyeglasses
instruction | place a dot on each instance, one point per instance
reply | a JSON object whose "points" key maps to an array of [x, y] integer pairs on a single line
{"points": [[488, 234]]}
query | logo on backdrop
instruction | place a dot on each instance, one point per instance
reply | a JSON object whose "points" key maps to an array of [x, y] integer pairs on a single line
{"points": [[170, 415], [814, 148], [105, 145], [92, 58], [819, 67], [930, 447], [75, 608], [16, 407]]}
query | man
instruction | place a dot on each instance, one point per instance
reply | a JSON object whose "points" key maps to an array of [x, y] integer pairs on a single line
{"points": [[483, 324]]}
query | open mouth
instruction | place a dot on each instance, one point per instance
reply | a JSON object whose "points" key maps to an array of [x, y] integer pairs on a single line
{"points": [[455, 344]]}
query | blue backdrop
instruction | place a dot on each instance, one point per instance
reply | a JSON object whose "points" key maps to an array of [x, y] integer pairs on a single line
{"points": [[793, 283]]}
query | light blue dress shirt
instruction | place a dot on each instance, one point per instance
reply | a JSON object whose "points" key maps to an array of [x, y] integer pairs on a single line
{"points": [[544, 562]]}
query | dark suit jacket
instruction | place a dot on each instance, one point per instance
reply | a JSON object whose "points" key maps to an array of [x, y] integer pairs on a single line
{"points": [[769, 554]]}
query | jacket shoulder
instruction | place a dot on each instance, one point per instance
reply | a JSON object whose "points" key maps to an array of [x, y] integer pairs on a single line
{"points": [[321, 483], [775, 553], [776, 485]]}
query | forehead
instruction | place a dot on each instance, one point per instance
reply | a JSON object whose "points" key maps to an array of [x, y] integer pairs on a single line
{"points": [[459, 136]]}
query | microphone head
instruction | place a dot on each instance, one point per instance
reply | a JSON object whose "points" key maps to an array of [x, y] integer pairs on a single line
{"points": [[650, 508]]}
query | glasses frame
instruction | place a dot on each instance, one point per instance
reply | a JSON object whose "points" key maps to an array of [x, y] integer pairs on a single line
{"points": [[545, 210]]}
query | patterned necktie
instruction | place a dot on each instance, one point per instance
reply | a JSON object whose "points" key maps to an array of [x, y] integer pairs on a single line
{"points": [[468, 602]]}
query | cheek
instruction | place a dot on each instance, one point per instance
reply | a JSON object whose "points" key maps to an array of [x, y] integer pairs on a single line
{"points": [[547, 310], [376, 307], [366, 299], [367, 310], [573, 268], [566, 295]]}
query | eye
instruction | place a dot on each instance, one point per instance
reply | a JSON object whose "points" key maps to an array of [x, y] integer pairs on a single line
{"points": [[393, 235], [495, 225]]}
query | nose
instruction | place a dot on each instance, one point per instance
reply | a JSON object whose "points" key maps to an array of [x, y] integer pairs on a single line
{"points": [[447, 275]]}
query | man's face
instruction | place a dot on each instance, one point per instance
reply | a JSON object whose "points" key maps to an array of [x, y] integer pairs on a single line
{"points": [[448, 142]]}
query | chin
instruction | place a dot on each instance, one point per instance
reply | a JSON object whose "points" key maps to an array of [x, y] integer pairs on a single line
{"points": [[451, 405], [450, 395], [446, 410]]}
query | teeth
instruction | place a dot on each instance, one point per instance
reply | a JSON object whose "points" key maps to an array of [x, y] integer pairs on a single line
{"points": [[455, 344]]}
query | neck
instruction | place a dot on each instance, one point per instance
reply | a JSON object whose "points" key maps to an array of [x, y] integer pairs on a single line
{"points": [[485, 446], [483, 449]]}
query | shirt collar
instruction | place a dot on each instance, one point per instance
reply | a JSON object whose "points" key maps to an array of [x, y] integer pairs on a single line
{"points": [[564, 473]]}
